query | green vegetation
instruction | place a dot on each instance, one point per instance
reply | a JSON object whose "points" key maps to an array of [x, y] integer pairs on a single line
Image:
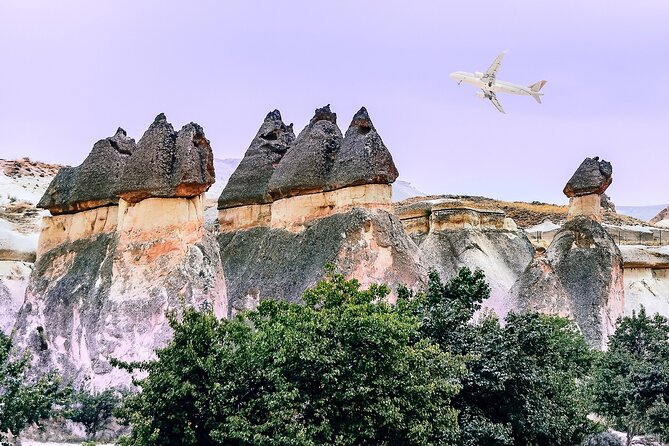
{"points": [[526, 378], [23, 401], [343, 369], [92, 409], [631, 379], [346, 368]]}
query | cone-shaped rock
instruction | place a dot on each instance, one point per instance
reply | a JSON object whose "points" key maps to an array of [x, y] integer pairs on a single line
{"points": [[592, 177], [168, 164], [363, 158], [306, 167], [249, 182], [93, 183]]}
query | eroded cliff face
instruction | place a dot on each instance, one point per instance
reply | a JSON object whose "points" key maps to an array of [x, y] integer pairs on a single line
{"points": [[105, 277], [368, 245], [450, 236], [581, 276], [297, 204]]}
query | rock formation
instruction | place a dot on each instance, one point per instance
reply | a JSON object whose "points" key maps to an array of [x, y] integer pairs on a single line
{"points": [[105, 276], [168, 164], [92, 184], [245, 200], [586, 186], [580, 275], [320, 198], [646, 278], [661, 219], [317, 174], [451, 236]]}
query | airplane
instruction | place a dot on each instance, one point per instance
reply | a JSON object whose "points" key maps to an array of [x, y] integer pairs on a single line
{"points": [[489, 84]]}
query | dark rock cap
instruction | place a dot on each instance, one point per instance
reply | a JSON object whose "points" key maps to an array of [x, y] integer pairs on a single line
{"points": [[93, 183], [592, 177], [168, 164], [249, 182], [306, 167], [363, 157]]}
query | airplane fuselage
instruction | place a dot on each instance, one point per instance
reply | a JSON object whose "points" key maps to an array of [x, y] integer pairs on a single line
{"points": [[496, 86]]}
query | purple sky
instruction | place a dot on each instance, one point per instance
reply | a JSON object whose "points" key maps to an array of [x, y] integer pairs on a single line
{"points": [[73, 71]]}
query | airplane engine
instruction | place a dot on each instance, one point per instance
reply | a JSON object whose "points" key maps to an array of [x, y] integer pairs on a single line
{"points": [[478, 74], [481, 94]]}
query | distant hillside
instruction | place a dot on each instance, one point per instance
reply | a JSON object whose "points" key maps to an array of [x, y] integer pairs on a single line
{"points": [[403, 190], [644, 213]]}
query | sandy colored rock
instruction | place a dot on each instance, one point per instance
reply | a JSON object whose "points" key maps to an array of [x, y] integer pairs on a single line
{"points": [[244, 217], [592, 177], [248, 185], [294, 212], [661, 219], [586, 206], [168, 163], [581, 275], [94, 182], [67, 228]]}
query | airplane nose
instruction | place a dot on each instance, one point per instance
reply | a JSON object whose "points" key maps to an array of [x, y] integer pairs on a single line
{"points": [[453, 76]]}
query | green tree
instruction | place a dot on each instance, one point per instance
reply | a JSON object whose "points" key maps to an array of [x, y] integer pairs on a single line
{"points": [[631, 379], [343, 369], [23, 401], [92, 409], [526, 378]]}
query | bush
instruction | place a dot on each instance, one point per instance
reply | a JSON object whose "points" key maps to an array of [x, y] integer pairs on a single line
{"points": [[24, 401], [92, 409]]}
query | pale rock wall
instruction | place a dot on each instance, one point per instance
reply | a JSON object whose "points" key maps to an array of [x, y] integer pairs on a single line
{"points": [[105, 295], [14, 277], [67, 228], [586, 205], [646, 279]]}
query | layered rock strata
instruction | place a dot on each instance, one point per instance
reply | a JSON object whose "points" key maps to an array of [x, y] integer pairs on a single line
{"points": [[646, 278], [450, 236], [106, 276], [586, 186]]}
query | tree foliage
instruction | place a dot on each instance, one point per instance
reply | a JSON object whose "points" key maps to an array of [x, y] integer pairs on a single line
{"points": [[92, 409], [343, 369], [526, 379], [23, 401], [631, 379]]}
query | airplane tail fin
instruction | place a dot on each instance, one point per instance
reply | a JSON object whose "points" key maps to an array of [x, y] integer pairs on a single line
{"points": [[535, 88]]}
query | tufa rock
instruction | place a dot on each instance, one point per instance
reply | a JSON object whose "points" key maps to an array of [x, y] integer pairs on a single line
{"points": [[94, 182], [580, 276], [363, 158], [306, 167], [607, 204], [661, 219], [592, 177], [249, 182], [168, 164]]}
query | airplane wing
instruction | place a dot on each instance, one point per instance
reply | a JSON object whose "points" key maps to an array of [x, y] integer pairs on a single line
{"points": [[491, 72], [495, 102]]}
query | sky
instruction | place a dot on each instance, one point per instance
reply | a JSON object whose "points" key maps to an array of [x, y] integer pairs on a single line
{"points": [[73, 71]]}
